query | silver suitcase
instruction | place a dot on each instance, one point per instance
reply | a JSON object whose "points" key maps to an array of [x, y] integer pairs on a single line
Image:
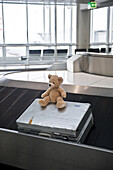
{"points": [[72, 123]]}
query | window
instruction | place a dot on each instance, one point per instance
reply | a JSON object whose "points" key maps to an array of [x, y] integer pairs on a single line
{"points": [[52, 23], [47, 18], [74, 18], [60, 24], [66, 24], [49, 25], [15, 23], [68, 37], [41, 23], [1, 25], [35, 24], [111, 25], [0, 52], [15, 52], [99, 25], [102, 29], [29, 27]]}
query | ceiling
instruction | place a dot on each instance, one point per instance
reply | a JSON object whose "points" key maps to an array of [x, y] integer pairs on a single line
{"points": [[100, 3], [103, 3]]}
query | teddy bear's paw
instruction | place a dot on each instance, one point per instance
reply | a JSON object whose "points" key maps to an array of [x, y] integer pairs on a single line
{"points": [[60, 104], [42, 102], [63, 94], [43, 95]]}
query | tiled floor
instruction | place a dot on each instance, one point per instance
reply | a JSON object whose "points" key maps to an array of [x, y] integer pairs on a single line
{"points": [[106, 82], [82, 79]]}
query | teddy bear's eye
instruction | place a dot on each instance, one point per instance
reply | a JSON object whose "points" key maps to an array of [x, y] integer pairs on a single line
{"points": [[53, 83]]}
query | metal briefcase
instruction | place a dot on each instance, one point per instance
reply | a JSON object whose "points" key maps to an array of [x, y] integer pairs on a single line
{"points": [[71, 123]]}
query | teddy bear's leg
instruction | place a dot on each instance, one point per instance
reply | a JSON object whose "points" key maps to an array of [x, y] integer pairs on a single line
{"points": [[44, 101], [60, 103]]}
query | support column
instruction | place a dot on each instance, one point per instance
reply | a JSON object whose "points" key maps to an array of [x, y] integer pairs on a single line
{"points": [[83, 28]]}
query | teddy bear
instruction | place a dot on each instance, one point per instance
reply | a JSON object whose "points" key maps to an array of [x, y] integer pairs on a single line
{"points": [[54, 93]]}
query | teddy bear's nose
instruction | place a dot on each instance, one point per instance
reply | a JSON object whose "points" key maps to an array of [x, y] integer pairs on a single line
{"points": [[49, 85]]}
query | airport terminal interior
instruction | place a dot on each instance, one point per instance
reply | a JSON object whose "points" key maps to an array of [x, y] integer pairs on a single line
{"points": [[72, 39]]}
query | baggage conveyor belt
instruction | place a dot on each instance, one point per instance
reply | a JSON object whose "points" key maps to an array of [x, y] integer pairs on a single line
{"points": [[35, 152], [14, 101]]}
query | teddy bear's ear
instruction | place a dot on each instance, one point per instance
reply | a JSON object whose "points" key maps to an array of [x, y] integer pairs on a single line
{"points": [[60, 79], [49, 76]]}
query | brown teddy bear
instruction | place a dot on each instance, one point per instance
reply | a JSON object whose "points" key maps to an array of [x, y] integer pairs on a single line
{"points": [[55, 93]]}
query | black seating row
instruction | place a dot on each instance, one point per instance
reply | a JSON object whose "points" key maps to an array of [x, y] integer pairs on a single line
{"points": [[47, 54], [48, 51], [95, 50]]}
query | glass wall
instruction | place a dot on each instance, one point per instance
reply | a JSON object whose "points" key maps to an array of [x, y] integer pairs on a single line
{"points": [[41, 23], [111, 25], [1, 52], [26, 28], [66, 24], [60, 24], [15, 23], [74, 26], [101, 35], [1, 25], [99, 25]]}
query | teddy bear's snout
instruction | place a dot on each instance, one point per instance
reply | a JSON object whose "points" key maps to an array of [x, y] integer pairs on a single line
{"points": [[51, 85]]}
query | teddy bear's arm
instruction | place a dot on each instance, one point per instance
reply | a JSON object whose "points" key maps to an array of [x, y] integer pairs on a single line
{"points": [[62, 92], [46, 93]]}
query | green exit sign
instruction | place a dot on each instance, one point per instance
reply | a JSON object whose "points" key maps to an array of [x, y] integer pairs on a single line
{"points": [[92, 4]]}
